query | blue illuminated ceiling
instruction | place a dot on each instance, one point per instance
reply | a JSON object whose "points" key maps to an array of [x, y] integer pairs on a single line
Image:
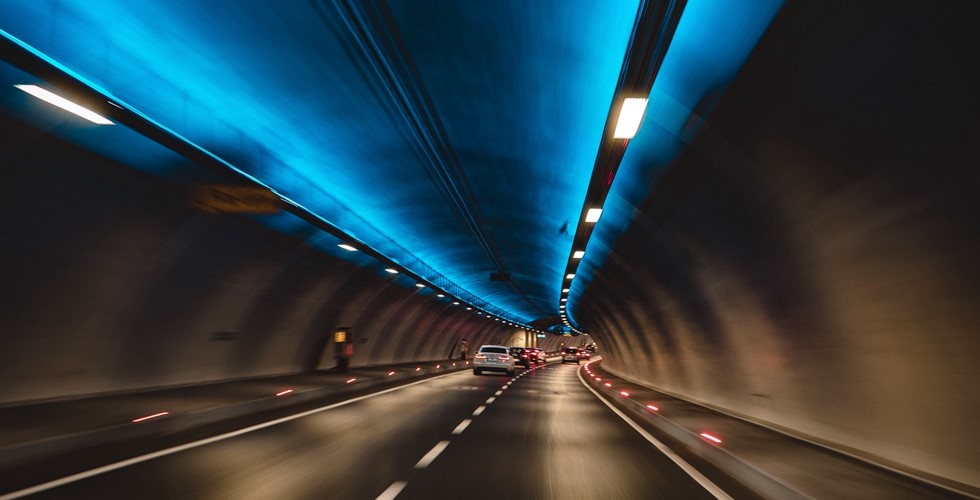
{"points": [[455, 137]]}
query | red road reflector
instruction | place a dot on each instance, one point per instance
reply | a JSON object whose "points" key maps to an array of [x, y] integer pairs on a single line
{"points": [[283, 393], [155, 415], [709, 437], [351, 380]]}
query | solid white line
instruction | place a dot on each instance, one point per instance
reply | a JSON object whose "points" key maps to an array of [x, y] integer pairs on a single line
{"points": [[461, 427], [491, 400], [686, 467], [479, 410], [392, 491], [177, 449], [431, 455]]}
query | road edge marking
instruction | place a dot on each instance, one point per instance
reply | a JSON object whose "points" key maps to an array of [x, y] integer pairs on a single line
{"points": [[674, 457]]}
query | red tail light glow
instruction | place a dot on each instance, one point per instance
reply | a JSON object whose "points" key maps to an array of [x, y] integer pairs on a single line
{"points": [[155, 415], [709, 437], [624, 394], [351, 381], [598, 379], [418, 368], [481, 356], [504, 357], [391, 373], [608, 384], [438, 366], [283, 393], [653, 408]]}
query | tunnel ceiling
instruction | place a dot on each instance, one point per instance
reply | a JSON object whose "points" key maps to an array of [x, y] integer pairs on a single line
{"points": [[453, 138]]}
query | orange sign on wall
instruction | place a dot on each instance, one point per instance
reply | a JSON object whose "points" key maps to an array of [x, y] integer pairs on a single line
{"points": [[236, 199]]}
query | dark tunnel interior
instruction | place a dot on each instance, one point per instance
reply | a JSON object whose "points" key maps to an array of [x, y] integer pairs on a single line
{"points": [[795, 245]]}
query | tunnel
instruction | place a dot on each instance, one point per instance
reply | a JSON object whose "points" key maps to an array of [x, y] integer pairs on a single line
{"points": [[298, 223]]}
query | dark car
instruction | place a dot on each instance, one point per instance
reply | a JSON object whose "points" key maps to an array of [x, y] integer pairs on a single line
{"points": [[540, 357], [570, 354], [522, 356]]}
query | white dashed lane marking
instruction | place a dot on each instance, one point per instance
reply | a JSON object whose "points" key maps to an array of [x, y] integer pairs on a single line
{"points": [[392, 491], [431, 455], [498, 393], [479, 410], [461, 427], [491, 400]]}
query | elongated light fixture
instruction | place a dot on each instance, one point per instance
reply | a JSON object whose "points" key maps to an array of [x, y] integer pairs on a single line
{"points": [[593, 215], [55, 99], [630, 116]]}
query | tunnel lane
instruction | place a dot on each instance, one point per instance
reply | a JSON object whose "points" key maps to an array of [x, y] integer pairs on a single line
{"points": [[540, 434]]}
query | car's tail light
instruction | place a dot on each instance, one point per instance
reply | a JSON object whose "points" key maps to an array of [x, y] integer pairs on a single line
{"points": [[504, 357], [481, 356]]}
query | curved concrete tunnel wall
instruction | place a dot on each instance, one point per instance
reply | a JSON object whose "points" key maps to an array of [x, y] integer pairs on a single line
{"points": [[810, 259], [113, 284], [808, 262]]}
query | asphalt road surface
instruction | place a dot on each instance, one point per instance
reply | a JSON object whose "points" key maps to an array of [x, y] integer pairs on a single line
{"points": [[541, 434]]}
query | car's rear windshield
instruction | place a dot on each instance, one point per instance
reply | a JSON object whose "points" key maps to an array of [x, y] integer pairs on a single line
{"points": [[571, 349], [499, 350]]}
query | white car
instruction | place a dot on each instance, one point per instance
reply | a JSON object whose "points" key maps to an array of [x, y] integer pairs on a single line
{"points": [[493, 358]]}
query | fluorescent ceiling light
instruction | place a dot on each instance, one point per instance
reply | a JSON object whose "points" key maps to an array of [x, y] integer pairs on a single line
{"points": [[578, 254], [65, 104], [570, 276], [440, 295], [563, 300], [593, 215], [392, 271], [455, 303], [630, 116], [347, 247], [564, 290], [469, 308], [420, 285]]}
